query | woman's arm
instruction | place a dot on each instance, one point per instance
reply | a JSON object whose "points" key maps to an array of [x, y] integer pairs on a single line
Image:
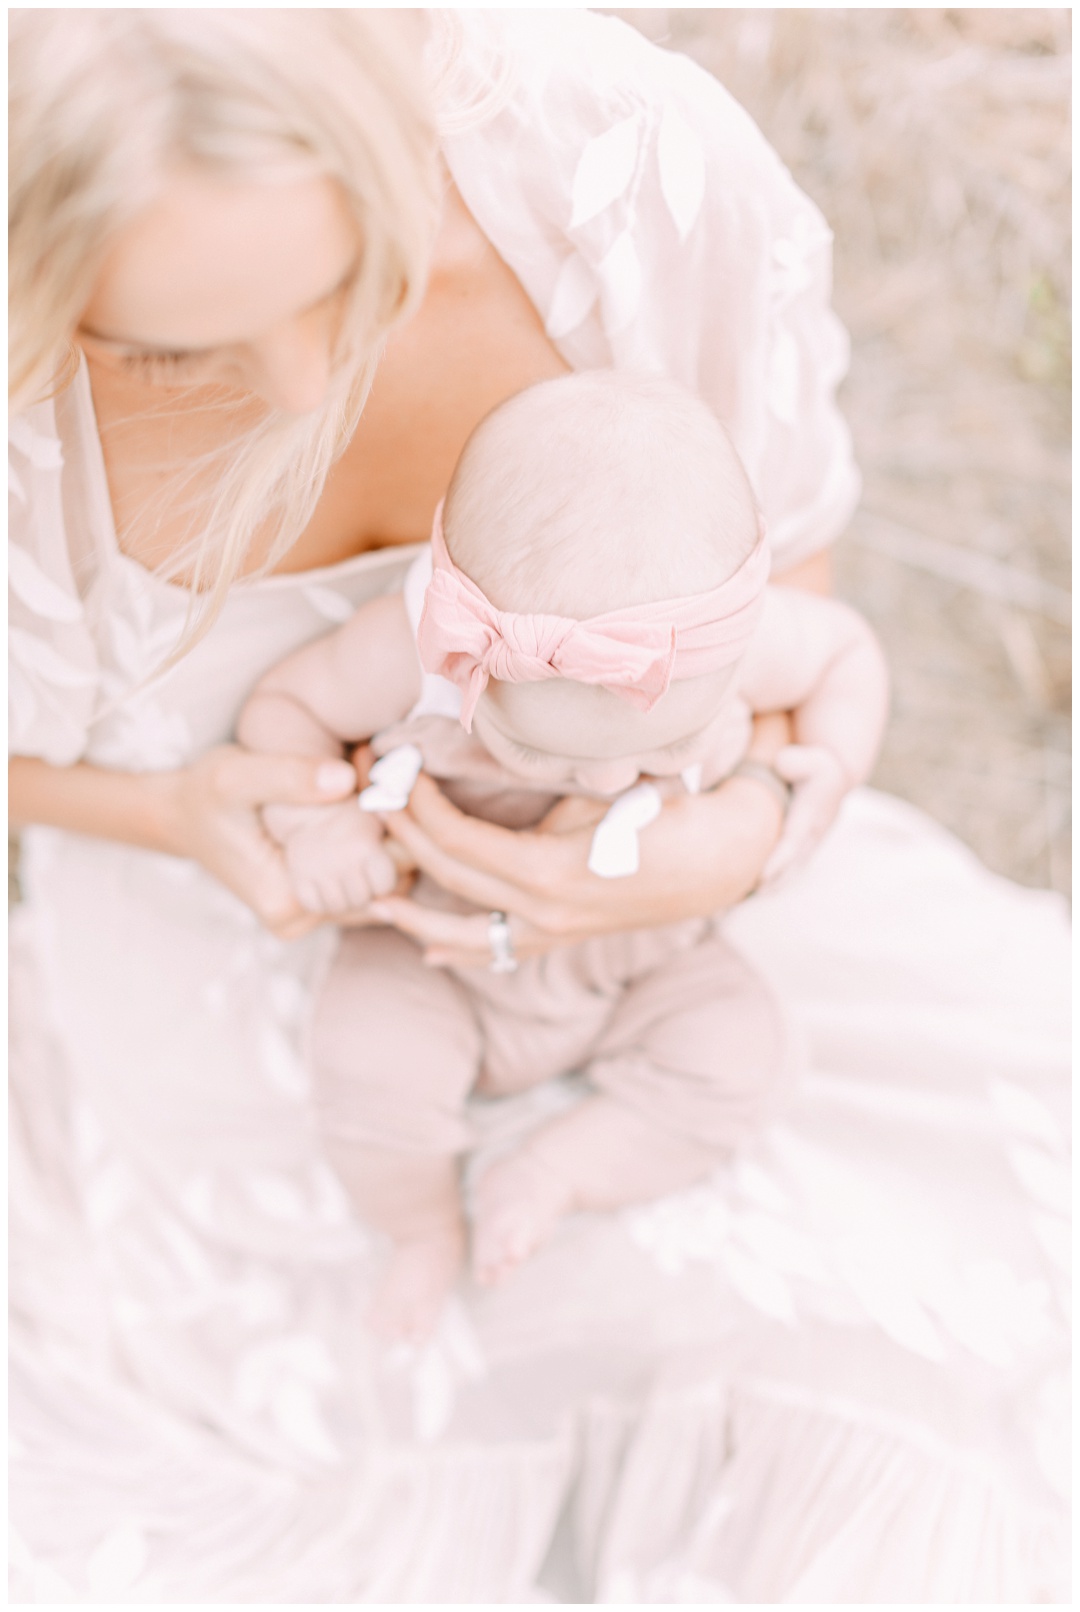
{"points": [[703, 854], [208, 811], [814, 575]]}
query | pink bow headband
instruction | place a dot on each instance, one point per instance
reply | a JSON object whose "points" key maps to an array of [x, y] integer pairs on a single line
{"points": [[634, 652]]}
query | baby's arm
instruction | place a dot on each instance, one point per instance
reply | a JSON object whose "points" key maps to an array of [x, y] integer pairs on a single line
{"points": [[818, 659], [331, 694]]}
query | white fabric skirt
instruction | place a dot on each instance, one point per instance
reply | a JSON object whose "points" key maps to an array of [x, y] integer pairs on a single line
{"points": [[835, 1372]]}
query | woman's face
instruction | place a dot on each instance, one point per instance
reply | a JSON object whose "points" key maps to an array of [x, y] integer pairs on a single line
{"points": [[228, 283]]}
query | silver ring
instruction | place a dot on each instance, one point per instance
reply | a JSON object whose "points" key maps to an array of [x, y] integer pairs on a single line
{"points": [[501, 942]]}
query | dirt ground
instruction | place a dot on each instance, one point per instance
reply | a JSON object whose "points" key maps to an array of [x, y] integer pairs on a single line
{"points": [[937, 145]]}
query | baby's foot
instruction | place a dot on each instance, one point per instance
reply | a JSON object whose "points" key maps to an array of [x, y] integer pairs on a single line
{"points": [[518, 1203], [413, 1288]]}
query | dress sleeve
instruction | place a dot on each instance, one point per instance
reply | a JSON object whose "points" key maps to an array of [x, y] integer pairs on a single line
{"points": [[655, 228], [744, 279], [53, 664]]}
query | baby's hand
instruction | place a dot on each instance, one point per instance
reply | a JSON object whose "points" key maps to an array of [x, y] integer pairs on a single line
{"points": [[336, 858], [819, 785]]}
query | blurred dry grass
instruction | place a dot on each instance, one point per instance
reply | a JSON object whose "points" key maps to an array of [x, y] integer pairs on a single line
{"points": [[937, 145]]}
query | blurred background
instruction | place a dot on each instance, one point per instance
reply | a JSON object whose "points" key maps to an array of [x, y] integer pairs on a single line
{"points": [[937, 145]]}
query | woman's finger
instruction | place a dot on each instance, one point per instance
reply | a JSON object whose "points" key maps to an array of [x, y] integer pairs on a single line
{"points": [[459, 939], [574, 812], [483, 889], [258, 780], [537, 862], [429, 926]]}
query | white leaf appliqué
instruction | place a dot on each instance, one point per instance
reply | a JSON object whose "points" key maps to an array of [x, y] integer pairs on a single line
{"points": [[433, 1395], [296, 1414], [109, 1192], [284, 1375], [43, 452], [604, 171], [392, 779], [766, 1290], [118, 1562], [885, 1294], [280, 1063], [1044, 1178], [37, 656], [1021, 1111], [39, 592], [451, 1355], [621, 283], [1055, 1238], [330, 1202], [614, 852], [784, 377], [277, 1197], [758, 1187], [23, 705], [288, 997], [682, 171], [780, 1246], [991, 1312], [574, 294], [685, 1228]]}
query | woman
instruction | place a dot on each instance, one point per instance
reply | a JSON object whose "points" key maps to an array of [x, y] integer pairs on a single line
{"points": [[245, 221]]}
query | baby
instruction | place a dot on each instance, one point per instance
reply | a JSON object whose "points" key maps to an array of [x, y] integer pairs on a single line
{"points": [[592, 614]]}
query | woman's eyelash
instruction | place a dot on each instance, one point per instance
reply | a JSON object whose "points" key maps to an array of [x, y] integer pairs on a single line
{"points": [[158, 363]]}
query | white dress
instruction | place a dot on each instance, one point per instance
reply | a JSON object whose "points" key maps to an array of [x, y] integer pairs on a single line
{"points": [[835, 1372]]}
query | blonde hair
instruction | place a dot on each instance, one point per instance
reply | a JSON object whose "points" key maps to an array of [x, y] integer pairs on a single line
{"points": [[103, 101], [597, 491]]}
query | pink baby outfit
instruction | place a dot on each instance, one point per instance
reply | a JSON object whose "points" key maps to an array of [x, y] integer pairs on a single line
{"points": [[669, 1020]]}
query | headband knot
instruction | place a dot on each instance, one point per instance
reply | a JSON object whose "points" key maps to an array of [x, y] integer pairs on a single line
{"points": [[634, 653]]}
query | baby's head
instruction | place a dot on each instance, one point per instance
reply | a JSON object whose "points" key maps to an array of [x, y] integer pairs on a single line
{"points": [[582, 496]]}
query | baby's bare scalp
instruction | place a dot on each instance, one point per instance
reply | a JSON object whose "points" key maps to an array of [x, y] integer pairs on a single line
{"points": [[597, 491]]}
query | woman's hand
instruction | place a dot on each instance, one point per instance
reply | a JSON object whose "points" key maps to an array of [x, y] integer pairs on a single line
{"points": [[212, 815], [703, 854]]}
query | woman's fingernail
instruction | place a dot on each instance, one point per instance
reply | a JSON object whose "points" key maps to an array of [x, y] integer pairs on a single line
{"points": [[335, 776]]}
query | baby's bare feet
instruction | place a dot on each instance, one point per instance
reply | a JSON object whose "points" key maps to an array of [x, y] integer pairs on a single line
{"points": [[519, 1201], [415, 1284]]}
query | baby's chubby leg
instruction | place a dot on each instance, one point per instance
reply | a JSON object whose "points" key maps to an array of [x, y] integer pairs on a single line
{"points": [[395, 1052], [693, 1059], [602, 1155]]}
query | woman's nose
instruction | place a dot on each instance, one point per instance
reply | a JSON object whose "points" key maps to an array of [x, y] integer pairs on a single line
{"points": [[290, 366], [608, 777]]}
